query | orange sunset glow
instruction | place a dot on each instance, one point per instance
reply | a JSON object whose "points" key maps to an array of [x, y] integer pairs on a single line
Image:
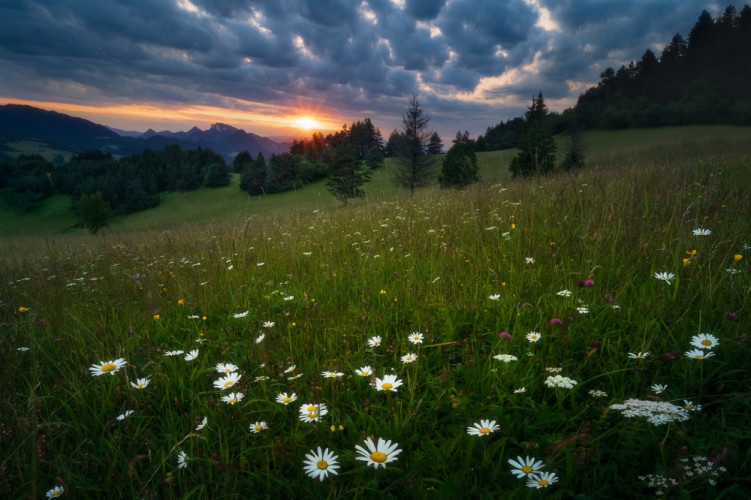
{"points": [[262, 119]]}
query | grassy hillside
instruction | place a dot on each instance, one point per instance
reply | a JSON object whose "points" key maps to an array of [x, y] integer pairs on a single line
{"points": [[231, 204], [512, 321]]}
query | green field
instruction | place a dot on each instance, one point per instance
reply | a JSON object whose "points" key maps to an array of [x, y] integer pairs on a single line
{"points": [[543, 305]]}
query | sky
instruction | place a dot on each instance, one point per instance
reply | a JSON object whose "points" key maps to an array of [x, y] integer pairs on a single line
{"points": [[287, 67]]}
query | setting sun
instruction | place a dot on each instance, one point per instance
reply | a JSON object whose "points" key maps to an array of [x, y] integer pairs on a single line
{"points": [[306, 123]]}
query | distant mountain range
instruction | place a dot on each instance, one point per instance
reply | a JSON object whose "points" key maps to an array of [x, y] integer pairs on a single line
{"points": [[77, 134]]}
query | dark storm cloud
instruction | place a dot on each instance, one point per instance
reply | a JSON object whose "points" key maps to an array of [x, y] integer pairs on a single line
{"points": [[472, 60], [424, 10]]}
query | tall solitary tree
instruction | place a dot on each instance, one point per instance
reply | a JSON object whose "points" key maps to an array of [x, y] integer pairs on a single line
{"points": [[414, 167], [536, 144], [93, 212]]}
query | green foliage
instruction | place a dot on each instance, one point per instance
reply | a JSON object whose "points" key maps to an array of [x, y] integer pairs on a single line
{"points": [[217, 175], [536, 145], [347, 174], [93, 212], [459, 166], [253, 177]]}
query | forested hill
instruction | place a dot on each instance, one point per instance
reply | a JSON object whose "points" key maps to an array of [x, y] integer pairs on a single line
{"points": [[703, 79]]}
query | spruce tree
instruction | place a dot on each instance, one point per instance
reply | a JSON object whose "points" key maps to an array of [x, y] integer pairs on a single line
{"points": [[536, 145], [347, 174]]}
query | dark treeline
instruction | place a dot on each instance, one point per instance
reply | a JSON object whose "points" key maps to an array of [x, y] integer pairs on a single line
{"points": [[703, 79], [309, 159], [128, 184]]}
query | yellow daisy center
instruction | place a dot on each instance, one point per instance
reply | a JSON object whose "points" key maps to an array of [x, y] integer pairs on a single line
{"points": [[526, 469], [56, 493], [688, 407], [313, 414], [287, 399], [706, 342], [108, 367], [386, 385], [484, 430], [323, 465], [365, 373], [543, 482], [312, 408], [377, 456], [228, 383], [233, 401], [409, 358], [699, 356], [227, 370], [259, 427], [140, 386]]}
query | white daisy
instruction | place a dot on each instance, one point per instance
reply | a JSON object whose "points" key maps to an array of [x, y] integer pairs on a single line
{"points": [[666, 277], [174, 353], [495, 296], [702, 232], [260, 338], [327, 374], [409, 357], [268, 324], [374, 341], [233, 398], [524, 467], [638, 355], [520, 390], [415, 337], [704, 341], [240, 315], [257, 427], [377, 455], [182, 460], [534, 336], [542, 480], [226, 368], [388, 383], [319, 463], [483, 428], [191, 355], [530, 260], [227, 381], [364, 371], [699, 354], [55, 492], [285, 399], [141, 383], [107, 367], [659, 388]]}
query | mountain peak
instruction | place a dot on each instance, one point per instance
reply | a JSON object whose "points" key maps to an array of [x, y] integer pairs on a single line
{"points": [[222, 128]]}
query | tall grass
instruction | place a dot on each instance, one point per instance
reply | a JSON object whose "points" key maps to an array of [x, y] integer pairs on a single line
{"points": [[330, 280]]}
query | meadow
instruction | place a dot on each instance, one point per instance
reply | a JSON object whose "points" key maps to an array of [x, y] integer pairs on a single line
{"points": [[582, 335]]}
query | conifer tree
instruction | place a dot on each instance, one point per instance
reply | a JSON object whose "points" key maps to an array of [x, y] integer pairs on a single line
{"points": [[536, 145]]}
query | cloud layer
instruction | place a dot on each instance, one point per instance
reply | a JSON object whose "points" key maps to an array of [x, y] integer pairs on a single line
{"points": [[472, 62]]}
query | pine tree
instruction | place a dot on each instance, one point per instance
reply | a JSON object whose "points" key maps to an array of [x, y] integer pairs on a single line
{"points": [[93, 211], [536, 145], [414, 165]]}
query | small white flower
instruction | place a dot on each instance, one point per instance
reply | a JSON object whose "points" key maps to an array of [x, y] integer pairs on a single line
{"points": [[483, 428], [699, 354], [268, 324], [520, 390], [409, 358], [290, 369], [659, 388], [285, 399], [638, 355], [374, 341], [506, 358], [415, 337], [260, 338], [257, 427], [365, 371], [495, 296], [55, 492], [702, 232], [202, 424], [233, 398], [191, 355], [530, 260], [141, 383], [125, 415], [289, 297], [583, 310], [388, 383], [534, 336], [174, 353], [182, 460], [327, 374], [666, 277], [564, 293], [240, 315]]}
